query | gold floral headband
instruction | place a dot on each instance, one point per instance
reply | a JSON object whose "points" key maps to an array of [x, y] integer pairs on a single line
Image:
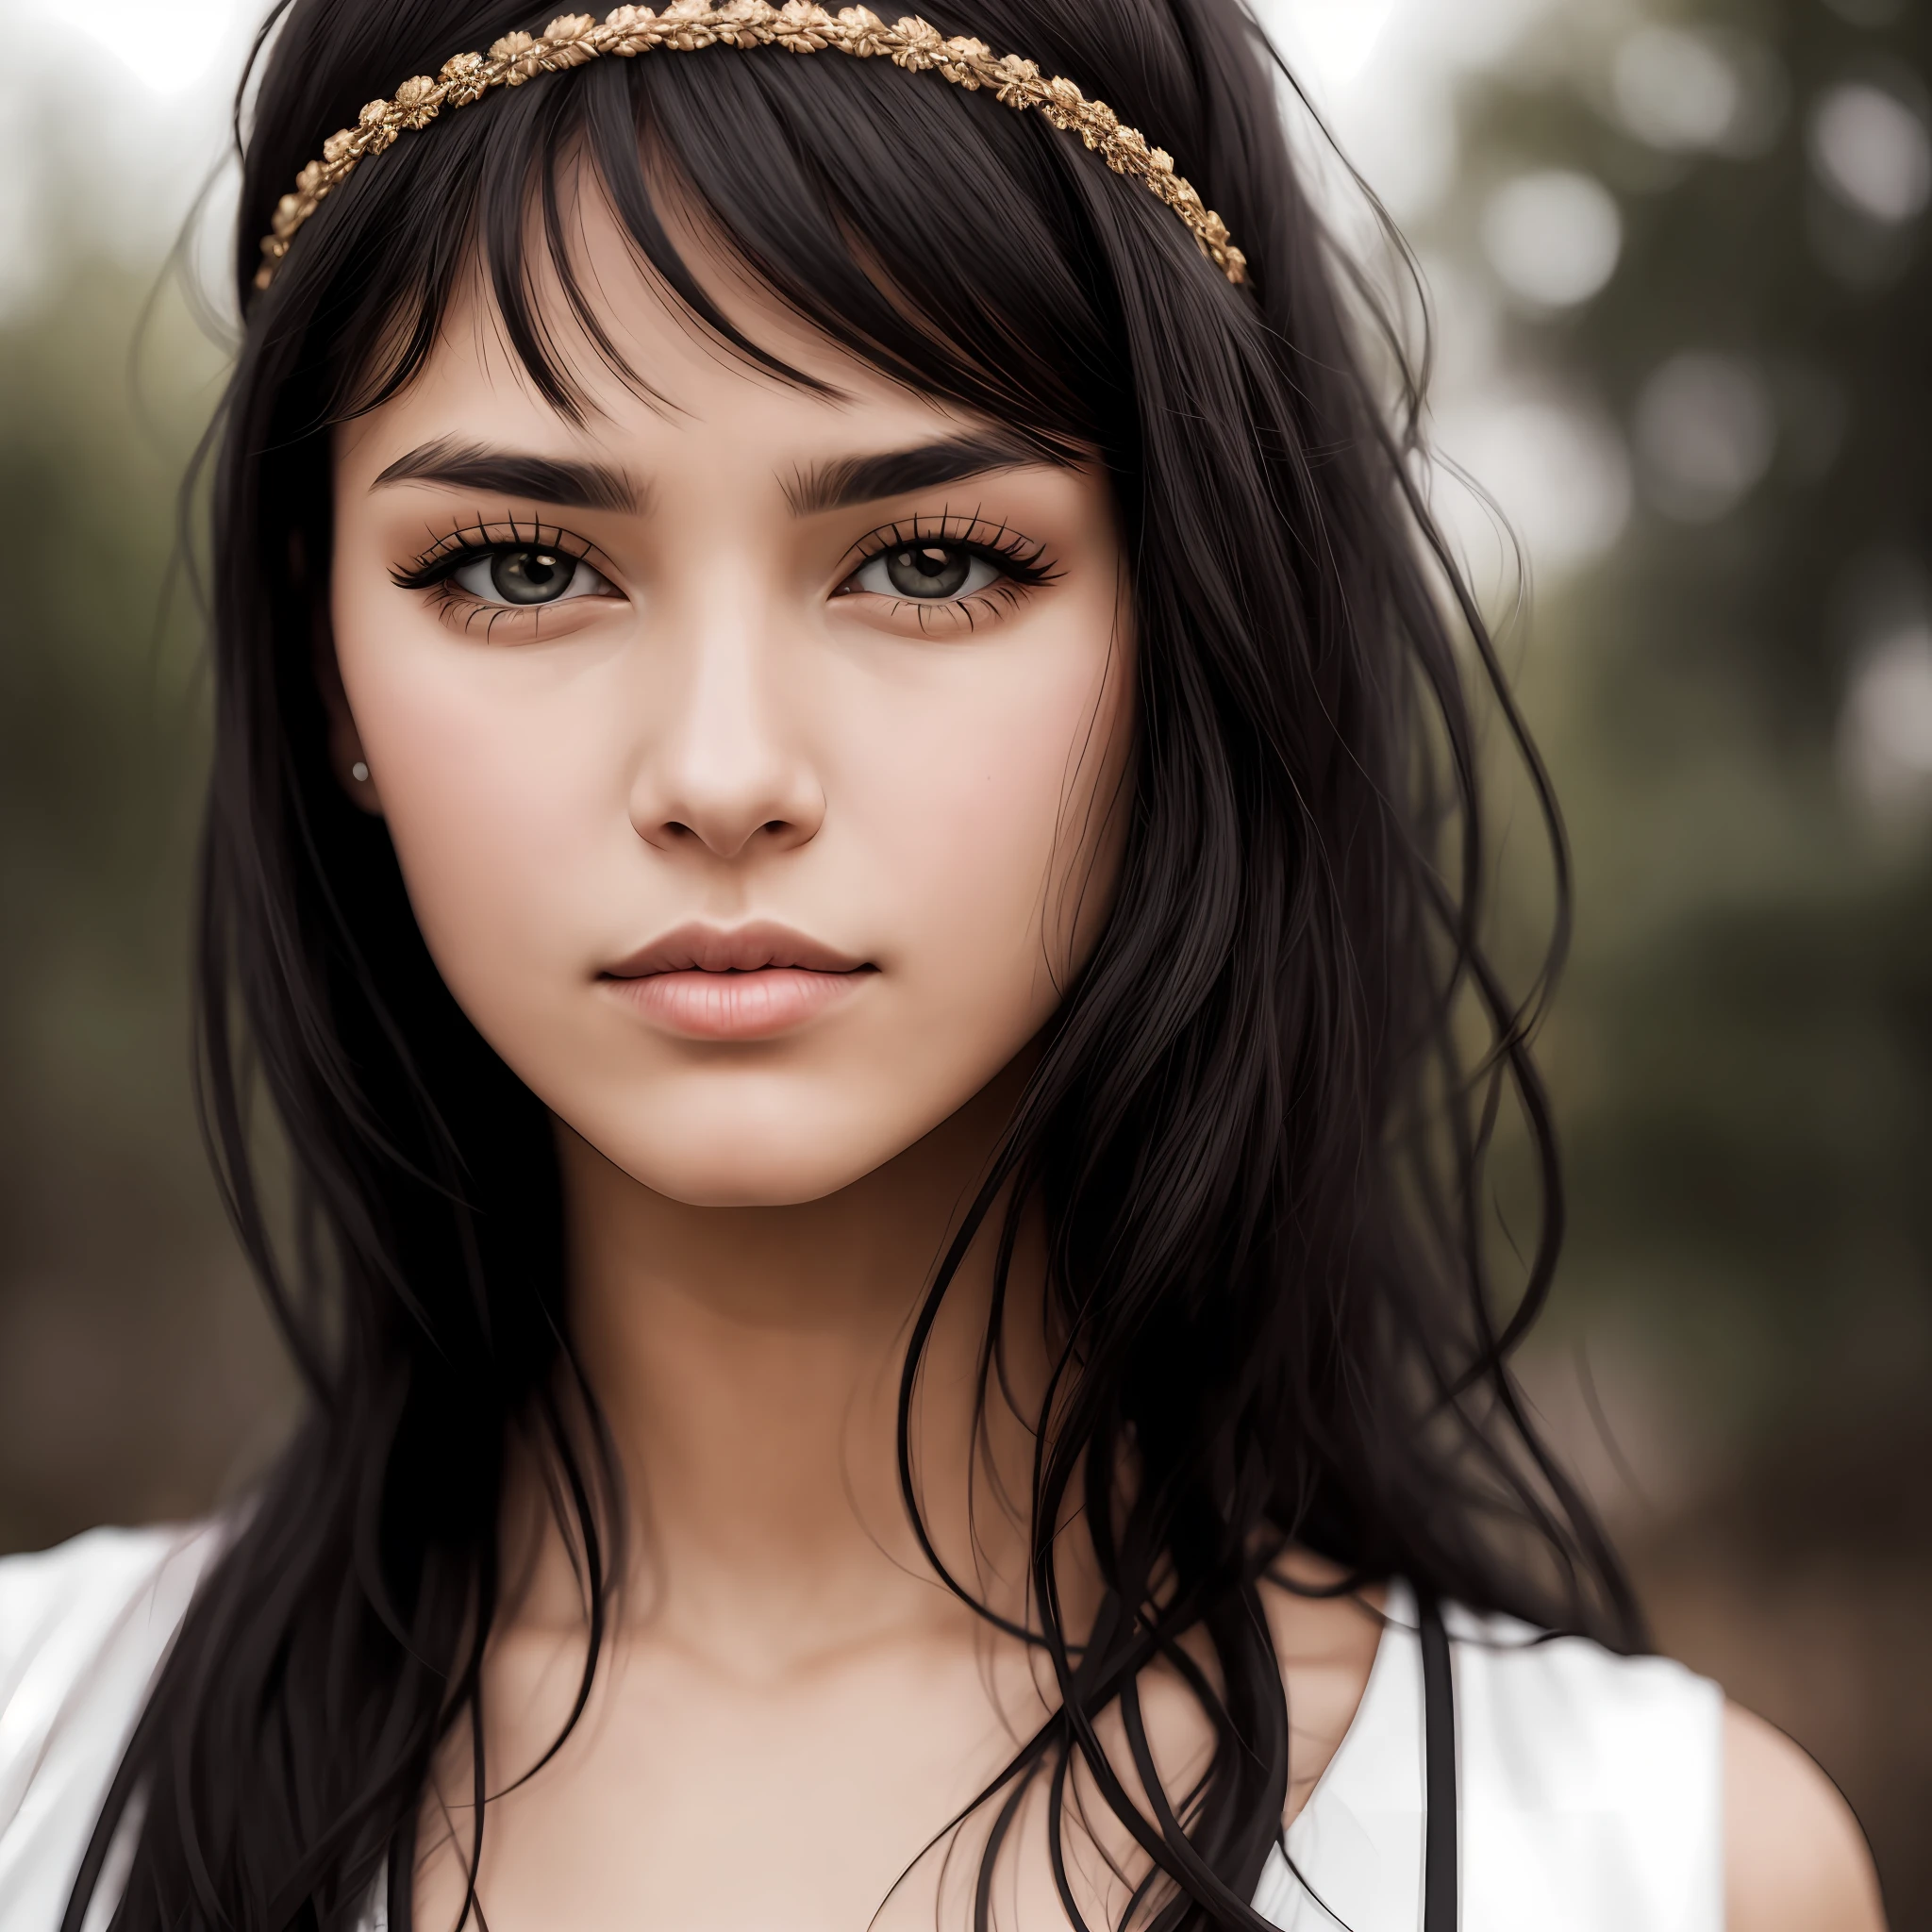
{"points": [[798, 26]]}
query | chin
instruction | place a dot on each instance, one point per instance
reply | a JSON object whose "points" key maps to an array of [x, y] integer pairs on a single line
{"points": [[751, 1159], [744, 1184]]}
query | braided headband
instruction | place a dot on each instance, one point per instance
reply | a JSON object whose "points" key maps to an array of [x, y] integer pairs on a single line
{"points": [[798, 26]]}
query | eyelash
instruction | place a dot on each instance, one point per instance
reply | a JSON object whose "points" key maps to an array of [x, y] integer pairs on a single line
{"points": [[1021, 560]]}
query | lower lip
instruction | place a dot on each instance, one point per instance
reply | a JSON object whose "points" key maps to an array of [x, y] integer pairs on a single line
{"points": [[736, 1005]]}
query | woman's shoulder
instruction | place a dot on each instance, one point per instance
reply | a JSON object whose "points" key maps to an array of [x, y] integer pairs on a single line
{"points": [[1796, 1860], [1561, 1725], [1590, 1790], [1644, 1757], [83, 1628]]}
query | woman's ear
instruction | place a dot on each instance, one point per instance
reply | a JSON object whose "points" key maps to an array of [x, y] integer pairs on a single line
{"points": [[346, 758]]}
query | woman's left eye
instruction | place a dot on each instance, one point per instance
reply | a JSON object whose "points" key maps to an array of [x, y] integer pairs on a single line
{"points": [[522, 577], [930, 573]]}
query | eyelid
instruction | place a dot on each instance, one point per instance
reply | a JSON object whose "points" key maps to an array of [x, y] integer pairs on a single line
{"points": [[1022, 558]]}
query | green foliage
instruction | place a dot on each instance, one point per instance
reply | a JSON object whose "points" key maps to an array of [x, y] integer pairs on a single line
{"points": [[1743, 1053], [130, 1355]]}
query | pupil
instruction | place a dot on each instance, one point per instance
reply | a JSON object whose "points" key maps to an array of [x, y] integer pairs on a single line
{"points": [[927, 570], [531, 577]]}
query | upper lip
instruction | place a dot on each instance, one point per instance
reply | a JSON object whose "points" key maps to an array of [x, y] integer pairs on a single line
{"points": [[700, 948]]}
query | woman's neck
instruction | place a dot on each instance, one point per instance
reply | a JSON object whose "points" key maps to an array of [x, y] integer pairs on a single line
{"points": [[747, 1361]]}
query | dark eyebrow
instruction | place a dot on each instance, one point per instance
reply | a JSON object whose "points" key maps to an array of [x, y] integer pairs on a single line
{"points": [[840, 484], [558, 481]]}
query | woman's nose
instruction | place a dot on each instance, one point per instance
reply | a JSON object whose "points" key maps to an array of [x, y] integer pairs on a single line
{"points": [[723, 771]]}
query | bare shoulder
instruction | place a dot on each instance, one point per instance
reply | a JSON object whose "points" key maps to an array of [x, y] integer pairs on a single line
{"points": [[1795, 1859]]}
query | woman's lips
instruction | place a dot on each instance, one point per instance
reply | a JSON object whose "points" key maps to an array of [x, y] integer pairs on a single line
{"points": [[756, 1005], [750, 982]]}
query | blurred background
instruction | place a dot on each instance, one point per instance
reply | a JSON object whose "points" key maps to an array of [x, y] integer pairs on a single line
{"points": [[1678, 258]]}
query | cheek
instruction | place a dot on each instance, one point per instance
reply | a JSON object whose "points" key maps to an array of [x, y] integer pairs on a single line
{"points": [[494, 790], [988, 807]]}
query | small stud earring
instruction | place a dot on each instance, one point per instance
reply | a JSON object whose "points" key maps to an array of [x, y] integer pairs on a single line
{"points": [[359, 772]]}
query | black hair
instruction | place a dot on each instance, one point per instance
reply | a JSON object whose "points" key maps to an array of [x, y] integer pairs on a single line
{"points": [[1258, 1127]]}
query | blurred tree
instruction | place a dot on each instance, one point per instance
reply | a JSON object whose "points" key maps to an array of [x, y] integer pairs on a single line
{"points": [[132, 1358], [1708, 221]]}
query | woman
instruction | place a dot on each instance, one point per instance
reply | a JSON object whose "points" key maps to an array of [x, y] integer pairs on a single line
{"points": [[844, 831]]}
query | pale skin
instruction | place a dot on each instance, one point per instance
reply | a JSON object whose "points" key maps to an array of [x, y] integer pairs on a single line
{"points": [[744, 714]]}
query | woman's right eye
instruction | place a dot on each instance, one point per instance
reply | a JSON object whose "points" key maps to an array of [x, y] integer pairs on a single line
{"points": [[517, 578]]}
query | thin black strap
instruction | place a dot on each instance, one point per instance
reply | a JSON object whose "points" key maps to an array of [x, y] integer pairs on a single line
{"points": [[1438, 1766]]}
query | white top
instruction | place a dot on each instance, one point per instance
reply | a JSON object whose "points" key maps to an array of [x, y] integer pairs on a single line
{"points": [[1589, 1782]]}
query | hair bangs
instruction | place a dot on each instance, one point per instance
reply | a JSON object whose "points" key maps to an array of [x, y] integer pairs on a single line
{"points": [[816, 179]]}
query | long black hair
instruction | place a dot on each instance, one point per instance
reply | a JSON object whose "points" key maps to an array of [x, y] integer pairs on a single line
{"points": [[1257, 1130]]}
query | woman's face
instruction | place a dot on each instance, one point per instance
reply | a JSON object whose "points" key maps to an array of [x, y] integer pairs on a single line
{"points": [[754, 758]]}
